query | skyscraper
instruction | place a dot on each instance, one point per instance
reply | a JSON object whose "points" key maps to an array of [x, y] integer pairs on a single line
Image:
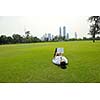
{"points": [[59, 31], [67, 37], [75, 35], [49, 36], [64, 31]]}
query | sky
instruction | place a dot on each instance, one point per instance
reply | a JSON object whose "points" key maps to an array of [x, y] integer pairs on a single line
{"points": [[39, 25], [46, 16]]}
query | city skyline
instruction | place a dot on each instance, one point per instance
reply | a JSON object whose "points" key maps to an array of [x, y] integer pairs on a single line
{"points": [[40, 25]]}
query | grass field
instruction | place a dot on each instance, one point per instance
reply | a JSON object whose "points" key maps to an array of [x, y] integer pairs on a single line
{"points": [[33, 62]]}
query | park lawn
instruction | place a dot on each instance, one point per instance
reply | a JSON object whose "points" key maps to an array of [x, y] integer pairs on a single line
{"points": [[29, 63]]}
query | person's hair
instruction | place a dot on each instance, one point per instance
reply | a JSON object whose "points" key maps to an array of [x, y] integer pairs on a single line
{"points": [[55, 52], [63, 65]]}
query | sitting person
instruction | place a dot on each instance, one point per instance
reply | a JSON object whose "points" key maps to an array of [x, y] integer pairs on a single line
{"points": [[59, 59]]}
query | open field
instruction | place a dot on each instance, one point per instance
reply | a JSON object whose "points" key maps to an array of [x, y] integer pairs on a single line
{"points": [[33, 62]]}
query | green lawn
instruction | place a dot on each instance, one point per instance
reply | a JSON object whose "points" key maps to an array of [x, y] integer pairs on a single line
{"points": [[33, 62]]}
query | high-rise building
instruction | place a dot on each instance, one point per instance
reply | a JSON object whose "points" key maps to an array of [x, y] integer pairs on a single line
{"points": [[49, 36], [59, 31], [64, 31], [43, 38], [75, 35], [52, 37], [67, 37]]}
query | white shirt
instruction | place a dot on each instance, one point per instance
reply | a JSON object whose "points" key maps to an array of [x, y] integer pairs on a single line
{"points": [[58, 59]]}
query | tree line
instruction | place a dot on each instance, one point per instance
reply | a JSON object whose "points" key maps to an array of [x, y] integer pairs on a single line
{"points": [[16, 38]]}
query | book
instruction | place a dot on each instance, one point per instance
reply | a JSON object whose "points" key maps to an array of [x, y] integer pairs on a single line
{"points": [[60, 50]]}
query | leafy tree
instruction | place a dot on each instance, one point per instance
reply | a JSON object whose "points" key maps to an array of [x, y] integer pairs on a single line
{"points": [[27, 34], [3, 39], [35, 39], [56, 38], [9, 40], [17, 38], [60, 38], [95, 26]]}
